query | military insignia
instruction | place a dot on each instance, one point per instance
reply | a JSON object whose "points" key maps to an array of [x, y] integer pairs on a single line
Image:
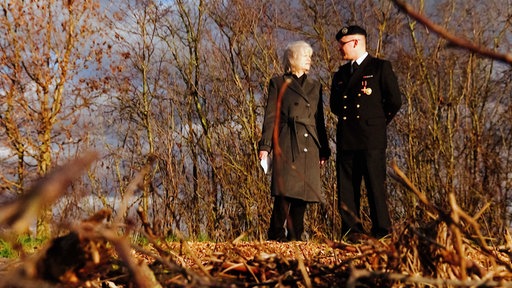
{"points": [[344, 30], [367, 76], [367, 91]]}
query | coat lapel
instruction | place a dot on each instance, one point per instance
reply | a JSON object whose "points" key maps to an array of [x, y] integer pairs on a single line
{"points": [[295, 86], [355, 78]]}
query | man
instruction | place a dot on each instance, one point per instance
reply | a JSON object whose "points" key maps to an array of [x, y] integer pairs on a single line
{"points": [[365, 96]]}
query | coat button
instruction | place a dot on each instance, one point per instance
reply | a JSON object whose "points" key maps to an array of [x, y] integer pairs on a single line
{"points": [[305, 149], [344, 107], [345, 96], [358, 106], [306, 135], [345, 118]]}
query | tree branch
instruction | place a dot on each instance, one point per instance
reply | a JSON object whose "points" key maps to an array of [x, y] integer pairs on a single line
{"points": [[453, 39]]}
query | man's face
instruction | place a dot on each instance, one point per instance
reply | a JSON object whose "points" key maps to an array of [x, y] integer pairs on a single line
{"points": [[348, 45]]}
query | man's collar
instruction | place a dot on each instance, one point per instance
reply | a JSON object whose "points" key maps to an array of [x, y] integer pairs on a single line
{"points": [[361, 58]]}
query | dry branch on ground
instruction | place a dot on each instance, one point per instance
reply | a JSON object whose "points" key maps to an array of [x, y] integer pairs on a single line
{"points": [[448, 251], [419, 256]]}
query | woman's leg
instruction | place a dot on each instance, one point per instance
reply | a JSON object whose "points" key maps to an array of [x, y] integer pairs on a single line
{"points": [[295, 223], [280, 210]]}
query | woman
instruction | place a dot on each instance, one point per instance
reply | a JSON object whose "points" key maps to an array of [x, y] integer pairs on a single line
{"points": [[302, 141]]}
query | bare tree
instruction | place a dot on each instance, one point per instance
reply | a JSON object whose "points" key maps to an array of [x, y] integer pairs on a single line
{"points": [[187, 83], [48, 51], [455, 101]]}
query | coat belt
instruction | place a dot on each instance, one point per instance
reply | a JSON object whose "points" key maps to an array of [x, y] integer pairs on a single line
{"points": [[292, 123]]}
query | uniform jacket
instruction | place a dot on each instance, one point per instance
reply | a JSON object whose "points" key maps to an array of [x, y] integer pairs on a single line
{"points": [[302, 138], [365, 102]]}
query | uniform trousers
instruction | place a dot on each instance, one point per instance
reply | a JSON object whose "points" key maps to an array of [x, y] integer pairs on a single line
{"points": [[354, 166]]}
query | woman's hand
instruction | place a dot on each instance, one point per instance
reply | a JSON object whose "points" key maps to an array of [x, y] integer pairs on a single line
{"points": [[263, 155]]}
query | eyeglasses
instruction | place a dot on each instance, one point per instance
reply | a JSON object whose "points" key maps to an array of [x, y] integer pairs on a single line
{"points": [[344, 43]]}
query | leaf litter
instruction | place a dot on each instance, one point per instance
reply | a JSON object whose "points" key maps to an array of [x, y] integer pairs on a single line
{"points": [[447, 251]]}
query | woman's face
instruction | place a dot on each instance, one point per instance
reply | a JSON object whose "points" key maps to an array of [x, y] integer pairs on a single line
{"points": [[303, 61]]}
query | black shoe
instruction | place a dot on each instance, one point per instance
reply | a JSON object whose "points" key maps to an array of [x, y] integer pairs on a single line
{"points": [[382, 236], [278, 235], [356, 238], [381, 233]]}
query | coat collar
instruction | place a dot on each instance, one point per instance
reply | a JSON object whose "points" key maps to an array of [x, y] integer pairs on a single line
{"points": [[354, 78], [297, 88]]}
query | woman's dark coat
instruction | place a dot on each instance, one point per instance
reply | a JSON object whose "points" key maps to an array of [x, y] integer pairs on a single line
{"points": [[302, 138]]}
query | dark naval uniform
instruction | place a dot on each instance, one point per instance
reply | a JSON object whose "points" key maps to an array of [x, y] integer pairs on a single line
{"points": [[302, 139], [365, 101]]}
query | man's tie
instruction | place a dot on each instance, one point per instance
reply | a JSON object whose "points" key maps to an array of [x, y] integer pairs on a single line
{"points": [[355, 66]]}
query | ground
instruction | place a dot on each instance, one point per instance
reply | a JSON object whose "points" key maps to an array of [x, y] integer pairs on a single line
{"points": [[111, 261]]}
